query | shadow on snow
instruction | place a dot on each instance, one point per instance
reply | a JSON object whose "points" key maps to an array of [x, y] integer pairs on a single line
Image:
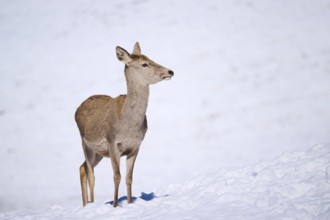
{"points": [[144, 196]]}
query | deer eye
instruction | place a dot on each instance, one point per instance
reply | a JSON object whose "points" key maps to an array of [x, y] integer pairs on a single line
{"points": [[145, 65]]}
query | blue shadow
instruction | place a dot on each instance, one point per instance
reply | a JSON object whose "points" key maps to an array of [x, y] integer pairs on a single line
{"points": [[144, 196]]}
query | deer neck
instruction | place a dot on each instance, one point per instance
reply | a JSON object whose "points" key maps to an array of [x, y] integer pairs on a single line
{"points": [[135, 106]]}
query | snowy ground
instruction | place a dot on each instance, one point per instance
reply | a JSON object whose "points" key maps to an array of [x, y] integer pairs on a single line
{"points": [[292, 186], [251, 82]]}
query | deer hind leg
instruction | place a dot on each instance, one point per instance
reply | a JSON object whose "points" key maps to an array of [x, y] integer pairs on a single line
{"points": [[83, 182], [87, 174], [91, 177]]}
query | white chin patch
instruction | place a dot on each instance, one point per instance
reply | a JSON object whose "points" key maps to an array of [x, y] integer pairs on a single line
{"points": [[167, 78]]}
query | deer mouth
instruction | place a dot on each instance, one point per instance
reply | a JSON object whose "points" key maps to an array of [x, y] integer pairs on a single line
{"points": [[167, 77]]}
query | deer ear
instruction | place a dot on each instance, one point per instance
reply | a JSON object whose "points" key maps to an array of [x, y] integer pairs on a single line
{"points": [[137, 49], [123, 55]]}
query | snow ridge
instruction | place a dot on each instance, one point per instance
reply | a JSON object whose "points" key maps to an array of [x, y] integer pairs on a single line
{"points": [[293, 186]]}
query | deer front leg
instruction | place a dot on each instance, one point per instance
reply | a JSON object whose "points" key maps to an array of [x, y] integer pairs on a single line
{"points": [[115, 161], [129, 174]]}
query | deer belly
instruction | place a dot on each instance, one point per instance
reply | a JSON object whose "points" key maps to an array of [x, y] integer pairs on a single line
{"points": [[99, 147]]}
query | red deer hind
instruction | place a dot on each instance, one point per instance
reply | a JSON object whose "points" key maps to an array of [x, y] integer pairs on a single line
{"points": [[115, 127]]}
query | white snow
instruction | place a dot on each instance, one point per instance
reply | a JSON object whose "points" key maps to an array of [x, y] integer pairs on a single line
{"points": [[292, 186], [251, 83]]}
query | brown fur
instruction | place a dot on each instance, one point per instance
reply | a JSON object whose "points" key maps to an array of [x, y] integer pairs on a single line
{"points": [[115, 127]]}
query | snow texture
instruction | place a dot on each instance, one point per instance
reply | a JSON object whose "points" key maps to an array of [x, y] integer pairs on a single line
{"points": [[292, 186], [251, 83]]}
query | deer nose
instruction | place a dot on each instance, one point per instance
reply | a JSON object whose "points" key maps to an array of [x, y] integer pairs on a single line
{"points": [[171, 72]]}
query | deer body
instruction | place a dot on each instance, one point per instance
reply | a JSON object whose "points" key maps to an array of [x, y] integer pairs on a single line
{"points": [[115, 127]]}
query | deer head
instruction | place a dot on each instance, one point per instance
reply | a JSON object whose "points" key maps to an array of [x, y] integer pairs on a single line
{"points": [[140, 69]]}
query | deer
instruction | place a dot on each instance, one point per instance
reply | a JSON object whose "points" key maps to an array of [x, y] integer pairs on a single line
{"points": [[115, 127]]}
